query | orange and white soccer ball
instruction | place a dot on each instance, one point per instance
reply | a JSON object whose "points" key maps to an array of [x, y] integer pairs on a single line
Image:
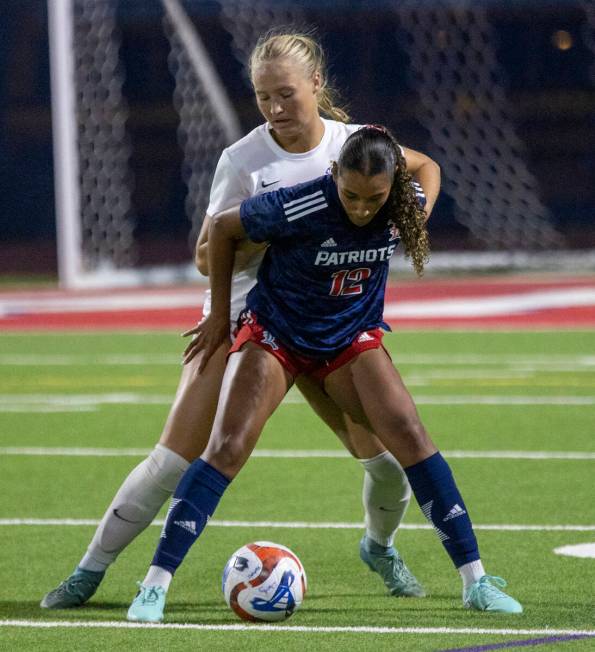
{"points": [[264, 581]]}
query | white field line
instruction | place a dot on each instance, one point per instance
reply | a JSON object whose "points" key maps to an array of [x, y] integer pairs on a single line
{"points": [[495, 359], [581, 550], [293, 454], [77, 359], [32, 402], [524, 361], [47, 408], [304, 525], [426, 376], [504, 400], [522, 303], [300, 629], [106, 303], [476, 306]]}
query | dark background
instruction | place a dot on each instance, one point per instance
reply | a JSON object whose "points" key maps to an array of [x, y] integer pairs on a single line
{"points": [[550, 93]]}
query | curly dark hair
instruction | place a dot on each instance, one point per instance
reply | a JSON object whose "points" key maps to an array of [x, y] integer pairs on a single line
{"points": [[373, 150]]}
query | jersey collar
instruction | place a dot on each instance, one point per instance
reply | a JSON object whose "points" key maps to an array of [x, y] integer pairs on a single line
{"points": [[281, 153]]}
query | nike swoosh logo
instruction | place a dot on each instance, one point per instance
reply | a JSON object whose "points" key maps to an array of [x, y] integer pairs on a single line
{"points": [[386, 509], [272, 183], [124, 519]]}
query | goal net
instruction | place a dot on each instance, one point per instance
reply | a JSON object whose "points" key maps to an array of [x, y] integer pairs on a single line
{"points": [[96, 214], [96, 217], [454, 73]]}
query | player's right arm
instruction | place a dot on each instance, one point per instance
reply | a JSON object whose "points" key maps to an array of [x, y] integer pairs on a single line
{"points": [[245, 250], [201, 258], [259, 219], [225, 230]]}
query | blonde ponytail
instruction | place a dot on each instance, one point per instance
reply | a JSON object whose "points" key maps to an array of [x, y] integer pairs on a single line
{"points": [[326, 103]]}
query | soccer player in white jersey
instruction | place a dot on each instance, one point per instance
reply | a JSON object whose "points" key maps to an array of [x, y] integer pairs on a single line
{"points": [[294, 145]]}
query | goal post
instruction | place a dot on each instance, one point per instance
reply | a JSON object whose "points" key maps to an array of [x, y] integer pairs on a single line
{"points": [[93, 184], [66, 167]]}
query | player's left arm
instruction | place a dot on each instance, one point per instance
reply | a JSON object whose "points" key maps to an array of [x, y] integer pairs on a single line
{"points": [[427, 173]]}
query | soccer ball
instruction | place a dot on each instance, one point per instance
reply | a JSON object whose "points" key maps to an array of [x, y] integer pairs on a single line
{"points": [[264, 581]]}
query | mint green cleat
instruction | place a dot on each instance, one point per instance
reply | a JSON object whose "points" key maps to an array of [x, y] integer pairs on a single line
{"points": [[485, 595], [387, 562], [74, 590], [148, 605]]}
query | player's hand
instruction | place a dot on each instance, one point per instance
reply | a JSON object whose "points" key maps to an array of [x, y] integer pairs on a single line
{"points": [[207, 336]]}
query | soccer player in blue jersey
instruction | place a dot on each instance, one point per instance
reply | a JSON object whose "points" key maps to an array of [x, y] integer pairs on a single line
{"points": [[317, 310]]}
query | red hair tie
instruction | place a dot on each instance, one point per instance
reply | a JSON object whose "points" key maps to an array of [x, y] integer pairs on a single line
{"points": [[379, 128]]}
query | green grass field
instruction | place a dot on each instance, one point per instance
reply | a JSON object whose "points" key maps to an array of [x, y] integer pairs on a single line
{"points": [[491, 395]]}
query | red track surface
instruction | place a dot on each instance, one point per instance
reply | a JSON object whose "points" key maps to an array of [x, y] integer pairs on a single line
{"points": [[187, 309]]}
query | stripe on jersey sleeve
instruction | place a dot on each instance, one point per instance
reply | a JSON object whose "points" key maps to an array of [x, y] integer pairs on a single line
{"points": [[419, 193], [299, 200], [304, 205]]}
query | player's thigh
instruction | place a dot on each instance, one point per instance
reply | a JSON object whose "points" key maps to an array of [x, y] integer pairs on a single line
{"points": [[376, 387], [357, 439], [191, 416], [390, 407], [363, 440], [253, 386], [340, 388]]}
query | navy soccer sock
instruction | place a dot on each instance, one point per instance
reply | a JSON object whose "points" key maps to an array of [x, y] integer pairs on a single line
{"points": [[440, 501], [194, 501]]}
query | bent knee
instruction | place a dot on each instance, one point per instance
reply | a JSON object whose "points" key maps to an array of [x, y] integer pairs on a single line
{"points": [[412, 442], [227, 453], [409, 427]]}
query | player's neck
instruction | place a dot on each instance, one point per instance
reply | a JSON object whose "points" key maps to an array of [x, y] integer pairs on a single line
{"points": [[307, 140]]}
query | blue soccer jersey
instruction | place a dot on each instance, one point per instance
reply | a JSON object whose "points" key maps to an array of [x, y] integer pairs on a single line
{"points": [[322, 279]]}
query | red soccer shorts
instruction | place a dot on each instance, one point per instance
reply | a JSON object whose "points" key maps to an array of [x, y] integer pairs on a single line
{"points": [[296, 364]]}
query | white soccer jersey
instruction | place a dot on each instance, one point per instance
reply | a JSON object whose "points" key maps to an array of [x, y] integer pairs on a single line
{"points": [[256, 164]]}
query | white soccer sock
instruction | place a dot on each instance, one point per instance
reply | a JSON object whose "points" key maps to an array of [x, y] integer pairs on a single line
{"points": [[157, 576], [134, 507], [385, 496], [471, 572]]}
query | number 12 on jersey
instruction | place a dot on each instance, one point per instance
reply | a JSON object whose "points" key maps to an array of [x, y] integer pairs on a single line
{"points": [[349, 281]]}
